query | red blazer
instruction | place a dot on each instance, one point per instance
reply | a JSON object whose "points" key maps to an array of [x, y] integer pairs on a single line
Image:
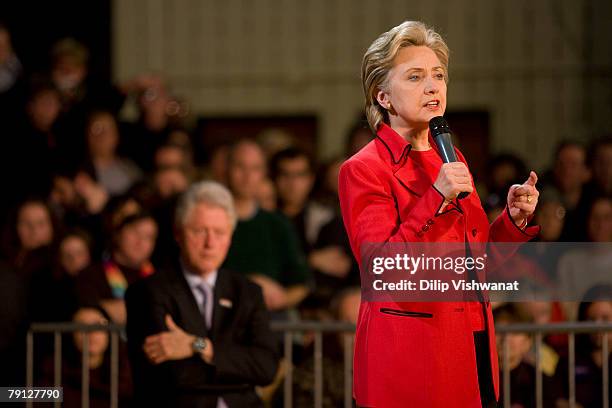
{"points": [[426, 359]]}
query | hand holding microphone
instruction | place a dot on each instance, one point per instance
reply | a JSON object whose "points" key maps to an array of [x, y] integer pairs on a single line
{"points": [[454, 180]]}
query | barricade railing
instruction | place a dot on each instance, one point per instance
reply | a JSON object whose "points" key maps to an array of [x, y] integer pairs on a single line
{"points": [[293, 329]]}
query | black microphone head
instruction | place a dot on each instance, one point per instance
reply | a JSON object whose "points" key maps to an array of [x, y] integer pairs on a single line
{"points": [[438, 125], [441, 133]]}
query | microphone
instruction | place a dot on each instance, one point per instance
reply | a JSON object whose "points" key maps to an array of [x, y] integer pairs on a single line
{"points": [[442, 134]]}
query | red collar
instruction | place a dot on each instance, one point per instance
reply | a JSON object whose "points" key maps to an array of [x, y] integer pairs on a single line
{"points": [[396, 145]]}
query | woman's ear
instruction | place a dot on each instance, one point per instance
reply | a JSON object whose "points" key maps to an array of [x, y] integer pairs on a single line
{"points": [[383, 99]]}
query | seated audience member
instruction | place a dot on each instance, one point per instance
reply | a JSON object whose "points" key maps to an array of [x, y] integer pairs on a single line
{"points": [[160, 119], [30, 247], [344, 308], [293, 174], [104, 284], [551, 217], [522, 371], [114, 173], [502, 171], [173, 155], [327, 189], [600, 163], [542, 312], [199, 334], [74, 252], [264, 244], [581, 268], [319, 227], [170, 181], [216, 163], [98, 362], [28, 241], [155, 120], [34, 145], [267, 196], [80, 93], [600, 220], [569, 175], [589, 354], [74, 256], [273, 140]]}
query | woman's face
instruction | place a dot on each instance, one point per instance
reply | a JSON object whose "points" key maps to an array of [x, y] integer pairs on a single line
{"points": [[600, 312], [34, 227], [137, 241], [97, 340], [415, 88], [74, 254], [44, 108], [600, 221], [550, 216], [102, 136]]}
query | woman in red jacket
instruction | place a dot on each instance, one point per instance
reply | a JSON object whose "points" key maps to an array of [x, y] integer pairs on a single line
{"points": [[396, 189]]}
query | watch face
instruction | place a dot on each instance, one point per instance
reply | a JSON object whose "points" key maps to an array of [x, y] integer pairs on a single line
{"points": [[199, 344]]}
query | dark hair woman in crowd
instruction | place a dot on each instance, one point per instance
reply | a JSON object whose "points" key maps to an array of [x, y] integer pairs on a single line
{"points": [[104, 284]]}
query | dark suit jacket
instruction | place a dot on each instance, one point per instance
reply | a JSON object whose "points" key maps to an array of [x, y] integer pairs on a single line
{"points": [[244, 347]]}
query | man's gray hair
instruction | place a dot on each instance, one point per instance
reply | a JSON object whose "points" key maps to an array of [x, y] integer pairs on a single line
{"points": [[205, 192]]}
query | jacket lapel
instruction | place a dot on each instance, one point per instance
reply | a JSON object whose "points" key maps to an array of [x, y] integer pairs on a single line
{"points": [[413, 177], [224, 302], [193, 321], [395, 148]]}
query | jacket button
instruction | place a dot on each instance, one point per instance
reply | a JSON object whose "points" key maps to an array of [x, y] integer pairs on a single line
{"points": [[425, 228], [474, 231]]}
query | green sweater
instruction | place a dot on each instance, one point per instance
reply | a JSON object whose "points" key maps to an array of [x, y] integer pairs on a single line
{"points": [[267, 244]]}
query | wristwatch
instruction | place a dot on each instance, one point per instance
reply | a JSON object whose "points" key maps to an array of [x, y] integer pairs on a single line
{"points": [[198, 345]]}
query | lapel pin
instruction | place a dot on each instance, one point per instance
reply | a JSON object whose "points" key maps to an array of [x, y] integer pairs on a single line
{"points": [[226, 303]]}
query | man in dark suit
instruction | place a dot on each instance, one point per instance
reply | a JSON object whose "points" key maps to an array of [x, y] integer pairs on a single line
{"points": [[199, 336]]}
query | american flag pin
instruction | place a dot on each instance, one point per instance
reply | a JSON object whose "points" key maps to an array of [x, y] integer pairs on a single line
{"points": [[226, 303]]}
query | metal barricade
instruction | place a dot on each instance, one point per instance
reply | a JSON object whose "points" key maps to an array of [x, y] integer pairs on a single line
{"points": [[292, 329], [539, 330], [69, 327]]}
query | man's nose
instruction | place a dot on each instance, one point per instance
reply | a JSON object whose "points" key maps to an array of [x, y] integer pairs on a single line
{"points": [[208, 241]]}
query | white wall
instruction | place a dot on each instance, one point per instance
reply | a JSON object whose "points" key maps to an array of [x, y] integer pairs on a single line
{"points": [[541, 68]]}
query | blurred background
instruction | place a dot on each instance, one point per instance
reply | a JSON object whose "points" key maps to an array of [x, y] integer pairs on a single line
{"points": [[110, 109]]}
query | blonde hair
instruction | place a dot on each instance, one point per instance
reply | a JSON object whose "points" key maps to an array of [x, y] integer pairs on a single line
{"points": [[378, 61]]}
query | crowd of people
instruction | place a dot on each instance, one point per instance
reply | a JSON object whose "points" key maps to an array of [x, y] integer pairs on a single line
{"points": [[88, 209]]}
